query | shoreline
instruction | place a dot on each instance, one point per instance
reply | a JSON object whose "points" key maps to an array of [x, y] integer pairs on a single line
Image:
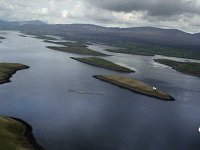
{"points": [[132, 90], [28, 133]]}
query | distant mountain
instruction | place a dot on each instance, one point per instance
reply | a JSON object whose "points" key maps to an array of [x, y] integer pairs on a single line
{"points": [[7, 24], [86, 32], [34, 22]]}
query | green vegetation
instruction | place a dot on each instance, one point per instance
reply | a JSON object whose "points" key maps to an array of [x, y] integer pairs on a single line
{"points": [[190, 68], [8, 69], [77, 49], [135, 86], [151, 50], [103, 63], [12, 135]]}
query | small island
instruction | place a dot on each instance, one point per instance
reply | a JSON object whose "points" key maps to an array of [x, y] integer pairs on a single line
{"points": [[103, 63], [77, 49], [135, 86], [15, 134], [8, 69], [191, 68]]}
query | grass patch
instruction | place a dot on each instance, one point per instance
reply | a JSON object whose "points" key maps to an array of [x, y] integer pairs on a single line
{"points": [[190, 68], [135, 86], [103, 63], [8, 69]]}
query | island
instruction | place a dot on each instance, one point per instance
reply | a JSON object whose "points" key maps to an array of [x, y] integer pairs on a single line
{"points": [[103, 63], [8, 69], [77, 49], [16, 134], [135, 86], [190, 68]]}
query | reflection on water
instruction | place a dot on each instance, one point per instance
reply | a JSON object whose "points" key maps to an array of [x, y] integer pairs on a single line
{"points": [[49, 97]]}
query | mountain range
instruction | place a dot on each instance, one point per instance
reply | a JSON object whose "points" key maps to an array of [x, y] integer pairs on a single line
{"points": [[87, 32]]}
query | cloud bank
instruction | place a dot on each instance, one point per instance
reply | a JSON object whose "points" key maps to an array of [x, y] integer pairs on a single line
{"points": [[181, 14]]}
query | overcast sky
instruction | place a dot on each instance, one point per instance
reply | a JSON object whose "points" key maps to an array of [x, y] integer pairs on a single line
{"points": [[181, 14]]}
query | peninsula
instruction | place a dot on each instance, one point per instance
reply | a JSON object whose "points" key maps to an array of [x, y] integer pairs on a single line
{"points": [[135, 86], [191, 68], [103, 63], [8, 69], [16, 134]]}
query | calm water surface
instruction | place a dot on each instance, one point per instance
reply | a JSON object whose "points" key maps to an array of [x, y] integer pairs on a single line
{"points": [[70, 110]]}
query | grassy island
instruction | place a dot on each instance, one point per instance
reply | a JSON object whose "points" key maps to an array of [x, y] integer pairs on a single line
{"points": [[77, 49], [135, 86], [16, 134], [103, 63], [8, 69], [190, 68]]}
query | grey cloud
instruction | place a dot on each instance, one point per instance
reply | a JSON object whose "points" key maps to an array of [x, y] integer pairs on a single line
{"points": [[182, 14], [152, 7]]}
